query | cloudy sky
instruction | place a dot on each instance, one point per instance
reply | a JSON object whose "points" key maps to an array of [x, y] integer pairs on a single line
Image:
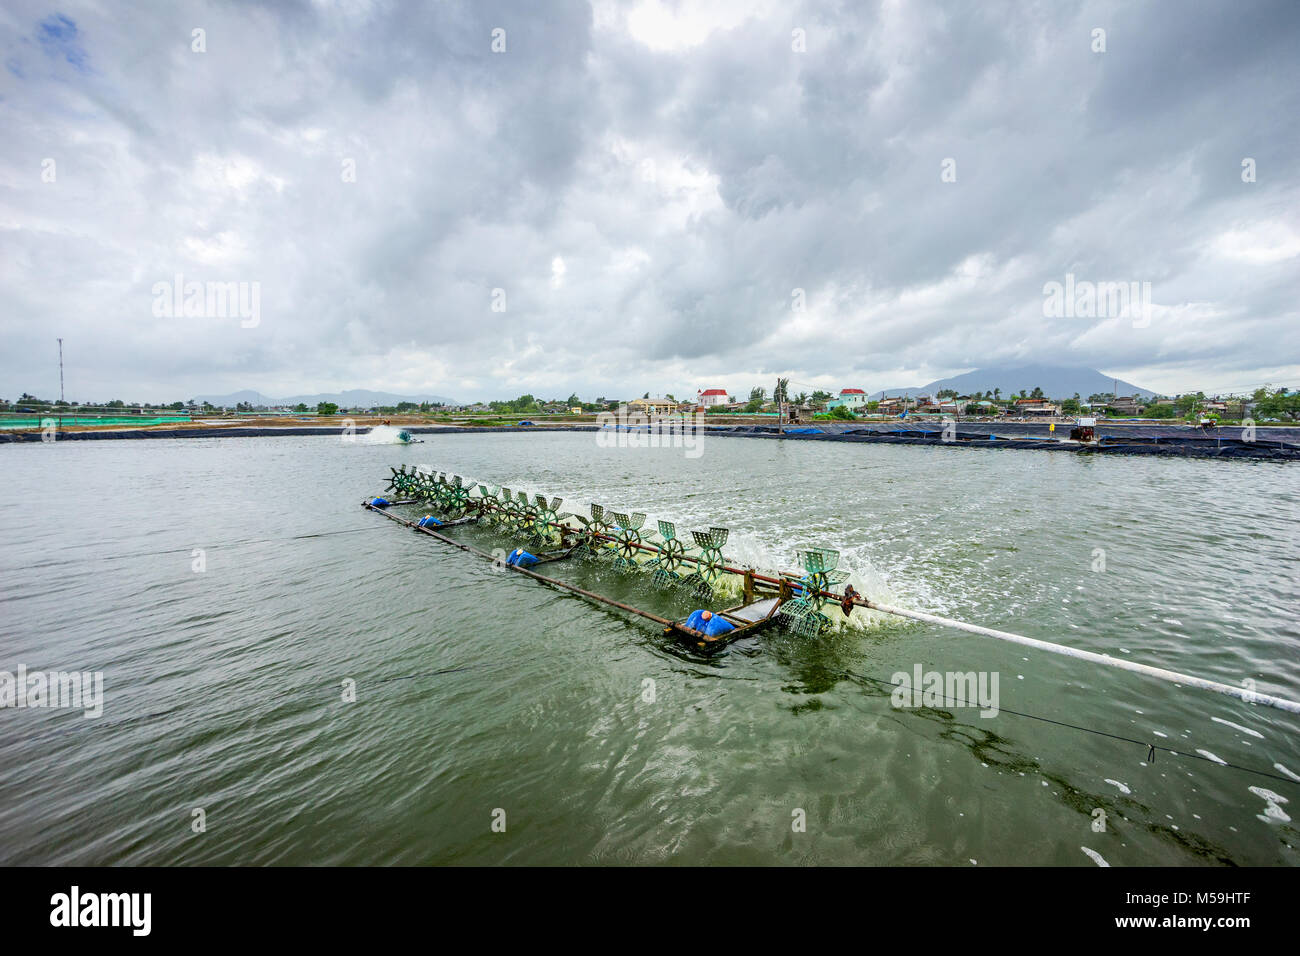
{"points": [[643, 196]]}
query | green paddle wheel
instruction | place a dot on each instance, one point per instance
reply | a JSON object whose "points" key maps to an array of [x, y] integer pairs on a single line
{"points": [[442, 491], [593, 540], [667, 564], [548, 524], [803, 613], [526, 515], [511, 510], [622, 536], [456, 497], [710, 565], [628, 540], [488, 505], [403, 483], [427, 488]]}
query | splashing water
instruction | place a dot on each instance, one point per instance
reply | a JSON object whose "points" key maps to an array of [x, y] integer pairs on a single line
{"points": [[746, 550], [385, 435]]}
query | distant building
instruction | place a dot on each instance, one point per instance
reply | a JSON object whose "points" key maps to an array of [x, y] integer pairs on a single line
{"points": [[652, 406], [712, 396], [1039, 410], [940, 408], [850, 398], [890, 406], [1036, 408], [1126, 405]]}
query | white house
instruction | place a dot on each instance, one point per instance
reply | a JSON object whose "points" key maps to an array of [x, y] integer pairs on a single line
{"points": [[853, 398], [712, 396]]}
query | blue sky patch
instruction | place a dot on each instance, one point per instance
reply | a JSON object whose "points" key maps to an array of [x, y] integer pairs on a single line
{"points": [[58, 36]]}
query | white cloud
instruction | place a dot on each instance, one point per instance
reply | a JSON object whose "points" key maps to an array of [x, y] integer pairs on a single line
{"points": [[215, 173], [1259, 244], [666, 26], [647, 184], [221, 249]]}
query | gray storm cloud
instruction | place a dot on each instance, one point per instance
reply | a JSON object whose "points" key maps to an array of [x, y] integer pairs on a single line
{"points": [[379, 170]]}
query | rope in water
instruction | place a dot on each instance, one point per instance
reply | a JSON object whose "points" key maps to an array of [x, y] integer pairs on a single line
{"points": [[1245, 694], [1150, 747], [1160, 673]]}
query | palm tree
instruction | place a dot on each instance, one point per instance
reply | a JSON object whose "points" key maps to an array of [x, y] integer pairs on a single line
{"points": [[779, 396]]}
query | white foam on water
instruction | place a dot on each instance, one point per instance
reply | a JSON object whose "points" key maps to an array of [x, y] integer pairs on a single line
{"points": [[1268, 795], [1244, 730], [1282, 769], [1209, 756], [1094, 856], [1273, 812], [382, 435], [1122, 788], [745, 550]]}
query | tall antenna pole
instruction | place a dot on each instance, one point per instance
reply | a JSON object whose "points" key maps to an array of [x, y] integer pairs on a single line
{"points": [[60, 369]]}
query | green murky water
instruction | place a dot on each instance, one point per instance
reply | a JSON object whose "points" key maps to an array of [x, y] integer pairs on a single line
{"points": [[480, 691]]}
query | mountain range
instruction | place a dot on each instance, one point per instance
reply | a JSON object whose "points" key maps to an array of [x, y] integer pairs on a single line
{"points": [[352, 398], [1056, 381]]}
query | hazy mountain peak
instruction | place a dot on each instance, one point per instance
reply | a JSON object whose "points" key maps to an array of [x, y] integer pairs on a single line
{"points": [[353, 397], [1056, 381]]}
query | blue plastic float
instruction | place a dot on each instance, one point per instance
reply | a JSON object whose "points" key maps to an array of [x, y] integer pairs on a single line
{"points": [[708, 623]]}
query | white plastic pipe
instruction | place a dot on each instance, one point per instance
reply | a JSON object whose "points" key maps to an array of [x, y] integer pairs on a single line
{"points": [[1173, 677]]}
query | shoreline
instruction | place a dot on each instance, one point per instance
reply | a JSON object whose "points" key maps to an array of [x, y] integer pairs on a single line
{"points": [[1278, 444]]}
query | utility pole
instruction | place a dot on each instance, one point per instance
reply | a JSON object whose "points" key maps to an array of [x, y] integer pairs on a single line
{"points": [[60, 369]]}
